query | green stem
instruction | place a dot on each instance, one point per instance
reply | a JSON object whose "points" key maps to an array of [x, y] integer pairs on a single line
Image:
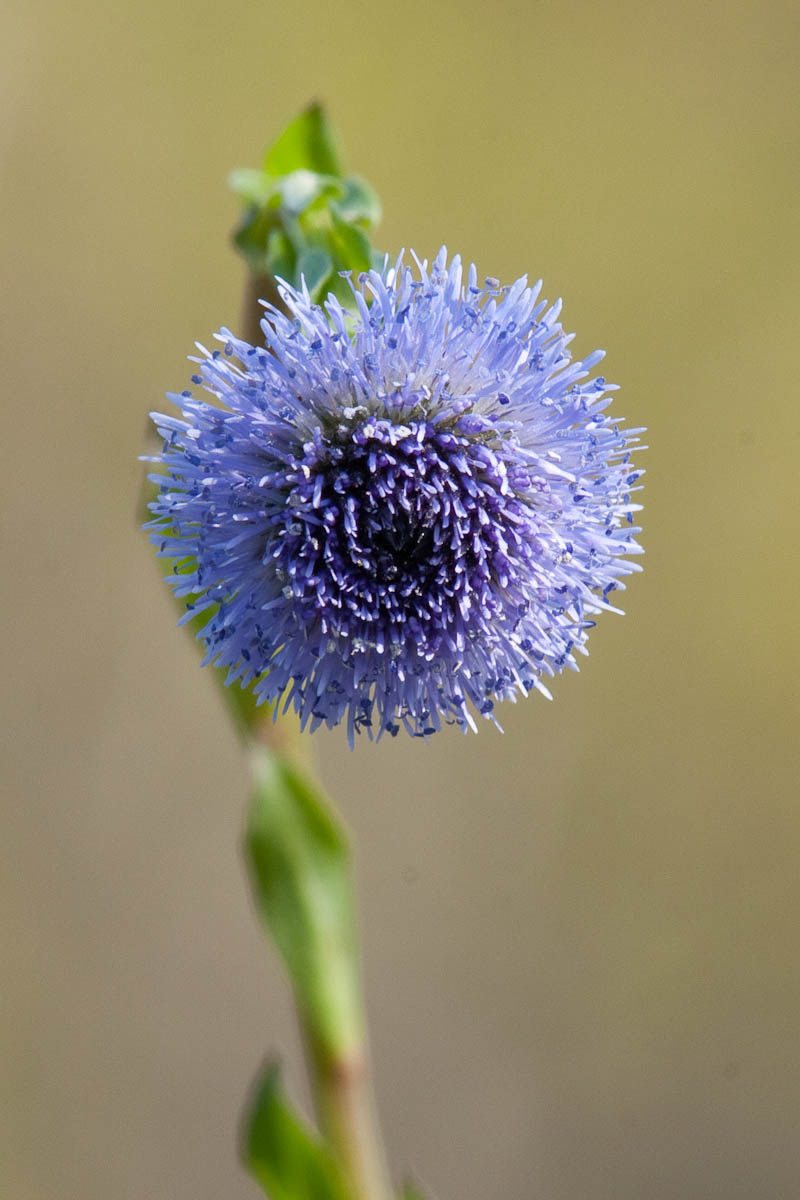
{"points": [[338, 1067], [328, 985], [347, 1118]]}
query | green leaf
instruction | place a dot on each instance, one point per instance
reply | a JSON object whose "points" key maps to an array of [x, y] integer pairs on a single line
{"points": [[281, 1153], [308, 142], [360, 202], [314, 265], [300, 189], [280, 256], [243, 706], [350, 246], [302, 218], [251, 237], [251, 185], [299, 868]]}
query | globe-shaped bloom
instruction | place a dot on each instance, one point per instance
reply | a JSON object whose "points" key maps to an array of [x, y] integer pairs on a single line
{"points": [[399, 514]]}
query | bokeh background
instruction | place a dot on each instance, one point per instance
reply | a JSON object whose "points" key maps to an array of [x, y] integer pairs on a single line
{"points": [[581, 937]]}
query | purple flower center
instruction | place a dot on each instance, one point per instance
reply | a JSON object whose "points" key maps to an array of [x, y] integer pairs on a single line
{"points": [[398, 531]]}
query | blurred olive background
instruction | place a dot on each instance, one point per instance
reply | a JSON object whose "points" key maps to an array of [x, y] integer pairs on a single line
{"points": [[581, 937]]}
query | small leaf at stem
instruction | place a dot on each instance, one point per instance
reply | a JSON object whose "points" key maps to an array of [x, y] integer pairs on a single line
{"points": [[350, 245], [251, 237], [314, 266], [300, 189], [359, 203], [251, 185], [280, 256], [300, 871], [281, 1153]]}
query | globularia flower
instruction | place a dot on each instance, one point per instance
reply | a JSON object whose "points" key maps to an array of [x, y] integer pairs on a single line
{"points": [[399, 514]]}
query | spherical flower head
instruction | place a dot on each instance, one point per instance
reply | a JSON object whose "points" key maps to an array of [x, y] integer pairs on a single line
{"points": [[399, 514]]}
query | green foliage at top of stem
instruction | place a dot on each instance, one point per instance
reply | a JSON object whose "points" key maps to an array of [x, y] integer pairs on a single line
{"points": [[300, 871], [304, 219], [281, 1153]]}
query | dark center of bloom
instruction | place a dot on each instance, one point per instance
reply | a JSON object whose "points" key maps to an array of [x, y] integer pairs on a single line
{"points": [[398, 532]]}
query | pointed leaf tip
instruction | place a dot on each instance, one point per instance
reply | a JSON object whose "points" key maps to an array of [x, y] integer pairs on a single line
{"points": [[308, 143], [314, 266], [280, 1152]]}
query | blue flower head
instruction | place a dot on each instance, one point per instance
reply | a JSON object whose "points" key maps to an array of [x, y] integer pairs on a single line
{"points": [[400, 514]]}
